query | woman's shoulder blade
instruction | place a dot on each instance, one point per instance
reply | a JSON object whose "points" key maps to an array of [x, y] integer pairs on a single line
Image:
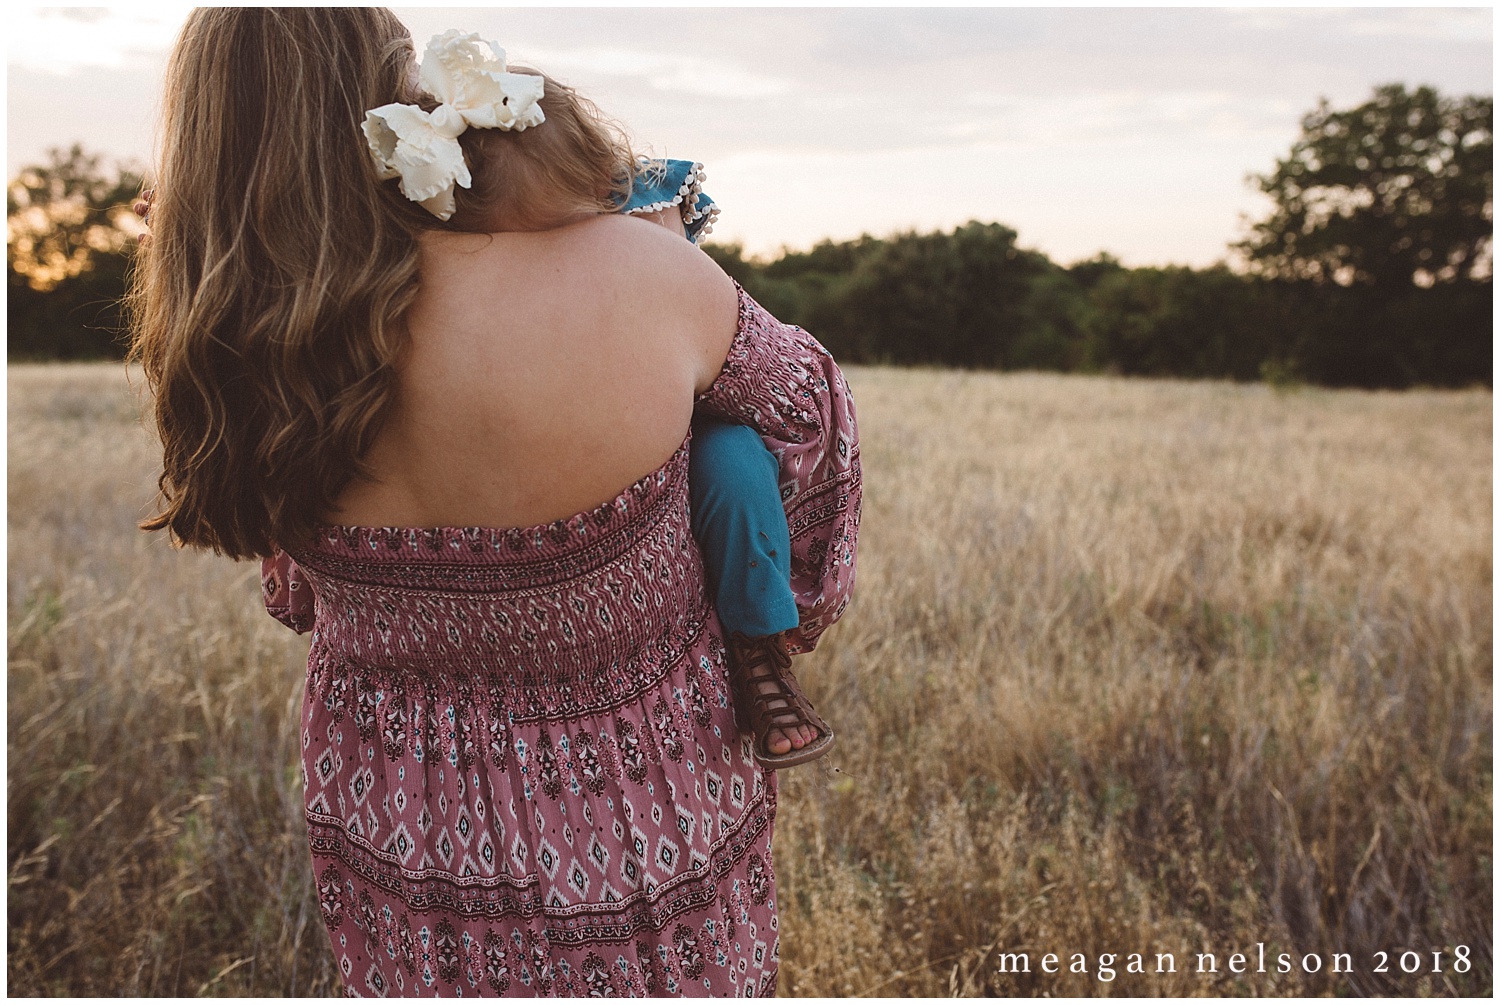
{"points": [[650, 253], [605, 254], [660, 268], [609, 274]]}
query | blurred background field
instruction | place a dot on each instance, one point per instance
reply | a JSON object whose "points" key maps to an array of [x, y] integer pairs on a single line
{"points": [[1134, 666]]}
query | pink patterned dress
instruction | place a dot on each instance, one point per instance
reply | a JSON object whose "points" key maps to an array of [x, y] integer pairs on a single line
{"points": [[523, 775]]}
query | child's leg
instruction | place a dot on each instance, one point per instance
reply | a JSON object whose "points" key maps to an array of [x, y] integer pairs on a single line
{"points": [[741, 528]]}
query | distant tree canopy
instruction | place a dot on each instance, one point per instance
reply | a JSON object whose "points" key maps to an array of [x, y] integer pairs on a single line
{"points": [[70, 234], [1372, 270], [1394, 192], [1398, 191]]}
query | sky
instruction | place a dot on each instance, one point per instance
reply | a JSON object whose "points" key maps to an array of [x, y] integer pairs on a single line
{"points": [[1125, 130]]}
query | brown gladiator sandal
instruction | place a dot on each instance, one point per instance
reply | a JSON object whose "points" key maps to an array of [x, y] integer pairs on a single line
{"points": [[753, 663]]}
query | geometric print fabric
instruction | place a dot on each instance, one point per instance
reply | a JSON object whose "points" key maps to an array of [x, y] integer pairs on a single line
{"points": [[523, 772]]}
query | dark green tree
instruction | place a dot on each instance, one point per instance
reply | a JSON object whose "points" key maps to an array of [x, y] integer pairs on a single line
{"points": [[1184, 322], [70, 236], [1382, 231], [1089, 272], [959, 299], [1393, 193], [796, 284]]}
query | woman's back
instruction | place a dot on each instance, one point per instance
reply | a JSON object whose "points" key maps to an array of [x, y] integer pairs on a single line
{"points": [[546, 371], [523, 770]]}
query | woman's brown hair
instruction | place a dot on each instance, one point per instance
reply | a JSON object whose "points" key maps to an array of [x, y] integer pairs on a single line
{"points": [[267, 305]]}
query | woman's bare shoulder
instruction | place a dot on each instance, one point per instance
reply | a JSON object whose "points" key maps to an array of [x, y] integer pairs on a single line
{"points": [[653, 270], [606, 273], [650, 254]]}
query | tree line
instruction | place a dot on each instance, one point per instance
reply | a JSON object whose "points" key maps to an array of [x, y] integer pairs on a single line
{"points": [[972, 298], [1374, 269], [69, 242]]}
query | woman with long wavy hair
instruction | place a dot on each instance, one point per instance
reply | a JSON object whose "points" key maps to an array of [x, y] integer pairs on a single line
{"points": [[460, 448]]}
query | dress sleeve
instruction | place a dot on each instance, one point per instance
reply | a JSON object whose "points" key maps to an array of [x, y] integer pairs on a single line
{"points": [[781, 382], [287, 592]]}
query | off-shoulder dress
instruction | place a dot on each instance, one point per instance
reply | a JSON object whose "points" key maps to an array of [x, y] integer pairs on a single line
{"points": [[523, 774]]}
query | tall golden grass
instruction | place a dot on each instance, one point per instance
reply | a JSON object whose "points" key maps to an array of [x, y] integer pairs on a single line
{"points": [[1134, 667]]}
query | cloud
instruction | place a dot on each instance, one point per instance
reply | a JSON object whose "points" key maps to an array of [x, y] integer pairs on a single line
{"points": [[1130, 117], [1127, 129], [1474, 26], [67, 40], [684, 73]]}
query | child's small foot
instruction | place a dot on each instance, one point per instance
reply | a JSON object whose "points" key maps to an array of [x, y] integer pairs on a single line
{"points": [[785, 727]]}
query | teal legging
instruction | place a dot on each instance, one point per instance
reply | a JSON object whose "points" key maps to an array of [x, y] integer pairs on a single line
{"points": [[741, 528]]}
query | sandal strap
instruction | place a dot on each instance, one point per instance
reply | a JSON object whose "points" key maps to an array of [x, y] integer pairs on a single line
{"points": [[763, 661]]}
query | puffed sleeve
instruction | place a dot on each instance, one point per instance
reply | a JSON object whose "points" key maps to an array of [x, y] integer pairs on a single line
{"points": [[780, 381], [287, 592]]}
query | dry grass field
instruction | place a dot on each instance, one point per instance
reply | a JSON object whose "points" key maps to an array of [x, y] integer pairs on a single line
{"points": [[1134, 667]]}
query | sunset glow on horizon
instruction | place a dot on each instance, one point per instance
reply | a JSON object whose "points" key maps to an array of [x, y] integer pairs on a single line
{"points": [[1129, 131]]}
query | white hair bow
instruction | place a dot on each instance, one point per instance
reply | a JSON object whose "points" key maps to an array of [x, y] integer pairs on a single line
{"points": [[421, 148]]}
